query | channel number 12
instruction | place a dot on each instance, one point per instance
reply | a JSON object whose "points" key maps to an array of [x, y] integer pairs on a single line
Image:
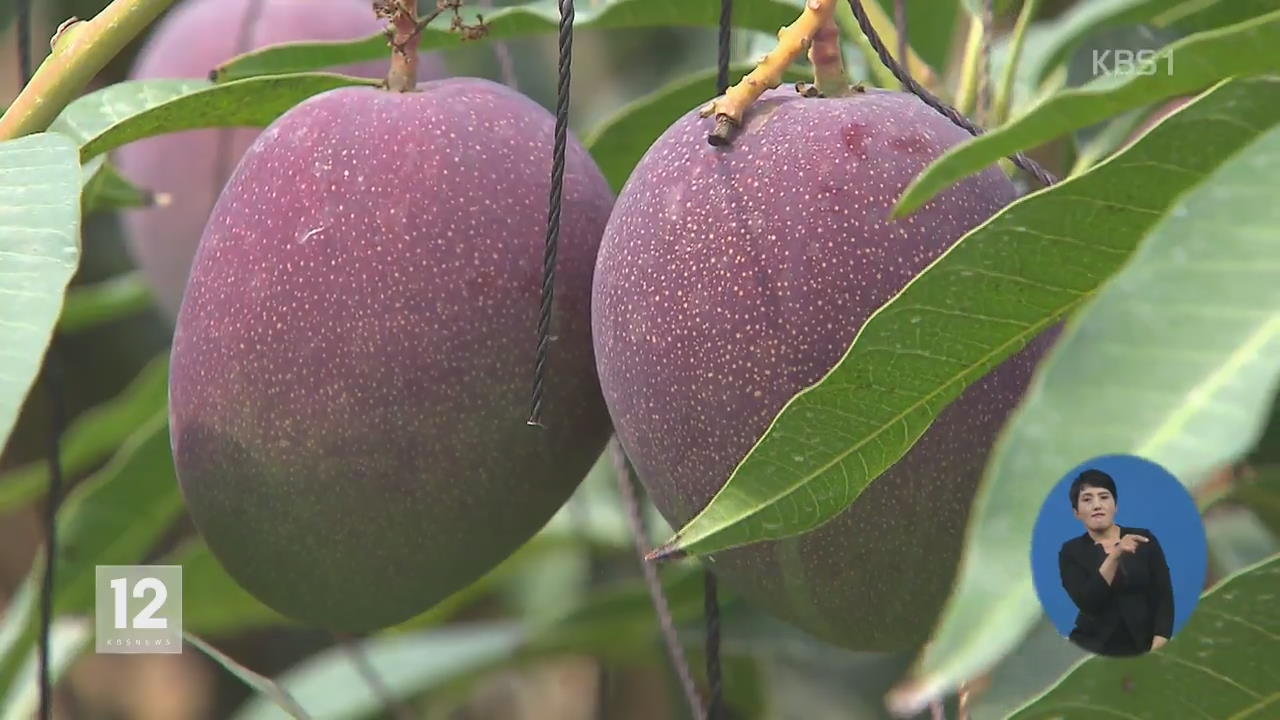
{"points": [[143, 619]]}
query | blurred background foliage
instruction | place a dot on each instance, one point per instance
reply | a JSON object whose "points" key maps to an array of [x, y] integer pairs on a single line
{"points": [[564, 629]]}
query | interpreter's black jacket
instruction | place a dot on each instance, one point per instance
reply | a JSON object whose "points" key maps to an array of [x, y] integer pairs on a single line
{"points": [[1120, 618]]}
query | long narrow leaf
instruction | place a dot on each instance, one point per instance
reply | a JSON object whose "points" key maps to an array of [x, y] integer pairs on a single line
{"points": [[1189, 65], [39, 252], [1177, 360], [539, 18], [1222, 664]]}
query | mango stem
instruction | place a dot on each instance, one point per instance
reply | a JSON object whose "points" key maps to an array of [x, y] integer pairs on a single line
{"points": [[794, 40], [403, 33]]}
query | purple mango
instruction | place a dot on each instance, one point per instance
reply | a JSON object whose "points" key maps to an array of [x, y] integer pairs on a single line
{"points": [[352, 362], [191, 167], [731, 279]]}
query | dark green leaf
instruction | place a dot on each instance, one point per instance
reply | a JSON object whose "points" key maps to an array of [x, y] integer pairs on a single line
{"points": [[1267, 449], [1037, 664], [613, 623], [331, 686], [255, 102], [976, 7], [94, 435], [999, 287], [1237, 539], [1196, 15], [620, 141], [90, 115], [619, 623], [39, 252], [1221, 665], [107, 189], [930, 27], [1199, 60], [1060, 37], [103, 302], [539, 18], [1260, 492], [1175, 360], [112, 518]]}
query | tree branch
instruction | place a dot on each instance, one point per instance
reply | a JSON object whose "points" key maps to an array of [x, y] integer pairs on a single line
{"points": [[78, 55]]}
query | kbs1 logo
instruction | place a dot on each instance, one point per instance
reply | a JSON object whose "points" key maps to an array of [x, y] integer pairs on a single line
{"points": [[138, 609], [1123, 62]]}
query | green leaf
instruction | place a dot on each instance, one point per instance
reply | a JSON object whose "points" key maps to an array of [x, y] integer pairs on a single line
{"points": [[999, 287], [1176, 360], [618, 623], [1222, 664], [1060, 36], [102, 302], [136, 109], [112, 518], [266, 688], [331, 686], [1200, 60], [1197, 15], [1260, 492], [539, 18], [930, 27], [94, 112], [1037, 664], [94, 435], [1267, 450], [39, 252], [106, 189], [976, 7], [1237, 539], [619, 142]]}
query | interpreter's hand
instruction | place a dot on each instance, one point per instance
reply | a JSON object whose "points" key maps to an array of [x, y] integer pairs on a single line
{"points": [[1157, 642], [1128, 544]]}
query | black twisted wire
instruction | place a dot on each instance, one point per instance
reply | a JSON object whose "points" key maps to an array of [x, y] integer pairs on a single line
{"points": [[553, 217], [23, 20], [53, 382], [726, 28], [711, 602], [1022, 161], [666, 623], [715, 684]]}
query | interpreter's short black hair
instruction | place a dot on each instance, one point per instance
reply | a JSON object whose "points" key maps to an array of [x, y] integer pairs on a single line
{"points": [[1092, 478]]}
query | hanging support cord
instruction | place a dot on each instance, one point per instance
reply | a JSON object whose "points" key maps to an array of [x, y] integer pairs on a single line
{"points": [[631, 503], [726, 30], [53, 386], [1031, 167], [711, 602], [553, 217]]}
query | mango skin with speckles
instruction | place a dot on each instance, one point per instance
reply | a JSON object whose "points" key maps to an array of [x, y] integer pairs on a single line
{"points": [[731, 279], [353, 359], [191, 167]]}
